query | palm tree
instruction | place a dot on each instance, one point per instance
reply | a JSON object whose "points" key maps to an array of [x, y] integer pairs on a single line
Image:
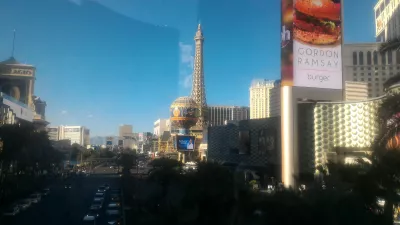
{"points": [[391, 45], [385, 171]]}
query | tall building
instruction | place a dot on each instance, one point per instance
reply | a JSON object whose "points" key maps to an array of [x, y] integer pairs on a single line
{"points": [[355, 91], [160, 126], [198, 87], [76, 134], [126, 139], [217, 115], [363, 62], [17, 82], [125, 130], [387, 20], [265, 98]]}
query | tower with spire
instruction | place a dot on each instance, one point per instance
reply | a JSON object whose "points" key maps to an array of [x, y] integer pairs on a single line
{"points": [[198, 87]]}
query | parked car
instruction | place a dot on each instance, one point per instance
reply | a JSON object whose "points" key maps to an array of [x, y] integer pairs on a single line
{"points": [[35, 198], [89, 220], [113, 209], [11, 211], [24, 204], [114, 219], [45, 191]]}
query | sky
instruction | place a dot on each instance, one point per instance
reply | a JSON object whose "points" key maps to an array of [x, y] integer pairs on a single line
{"points": [[103, 63]]}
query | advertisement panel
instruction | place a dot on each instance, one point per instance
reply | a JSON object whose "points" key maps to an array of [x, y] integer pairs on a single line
{"points": [[311, 44], [109, 143], [185, 143]]}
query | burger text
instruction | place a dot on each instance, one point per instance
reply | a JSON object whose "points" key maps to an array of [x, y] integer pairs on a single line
{"points": [[320, 78]]}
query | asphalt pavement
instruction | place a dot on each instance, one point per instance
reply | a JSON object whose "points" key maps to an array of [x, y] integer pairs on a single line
{"points": [[67, 206]]}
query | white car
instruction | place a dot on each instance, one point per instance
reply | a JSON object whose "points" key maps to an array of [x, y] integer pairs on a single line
{"points": [[89, 220], [12, 211]]}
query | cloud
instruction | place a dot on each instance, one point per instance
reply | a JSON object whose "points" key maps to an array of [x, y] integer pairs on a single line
{"points": [[90, 116], [78, 2], [64, 112], [186, 65]]}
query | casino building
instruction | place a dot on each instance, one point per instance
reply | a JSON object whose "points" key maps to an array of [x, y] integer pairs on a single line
{"points": [[327, 131], [17, 102]]}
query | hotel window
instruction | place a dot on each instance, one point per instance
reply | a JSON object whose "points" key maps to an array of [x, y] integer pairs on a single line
{"points": [[390, 57], [369, 59], [397, 58], [375, 57], [354, 58], [361, 58], [383, 58]]}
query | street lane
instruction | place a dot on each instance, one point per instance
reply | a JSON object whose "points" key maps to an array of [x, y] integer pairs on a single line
{"points": [[63, 206]]}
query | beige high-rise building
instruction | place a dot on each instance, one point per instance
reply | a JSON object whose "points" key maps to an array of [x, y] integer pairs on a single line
{"points": [[125, 130], [265, 99], [76, 134], [363, 62], [218, 115], [355, 91], [387, 20]]}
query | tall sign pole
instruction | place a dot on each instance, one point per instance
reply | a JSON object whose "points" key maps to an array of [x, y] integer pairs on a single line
{"points": [[311, 44]]}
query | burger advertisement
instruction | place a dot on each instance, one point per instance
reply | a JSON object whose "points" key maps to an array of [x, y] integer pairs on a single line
{"points": [[311, 43]]}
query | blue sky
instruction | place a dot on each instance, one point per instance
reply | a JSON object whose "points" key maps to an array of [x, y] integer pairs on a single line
{"points": [[102, 63]]}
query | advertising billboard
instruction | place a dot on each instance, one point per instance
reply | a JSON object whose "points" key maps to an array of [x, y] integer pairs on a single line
{"points": [[185, 143], [311, 44]]}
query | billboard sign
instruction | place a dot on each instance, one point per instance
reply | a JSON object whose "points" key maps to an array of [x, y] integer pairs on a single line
{"points": [[185, 143], [311, 44]]}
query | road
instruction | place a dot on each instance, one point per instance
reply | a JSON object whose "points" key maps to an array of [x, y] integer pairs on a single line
{"points": [[54, 208]]}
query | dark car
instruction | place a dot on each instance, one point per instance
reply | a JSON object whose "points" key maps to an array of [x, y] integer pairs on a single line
{"points": [[45, 191], [114, 219], [68, 186]]}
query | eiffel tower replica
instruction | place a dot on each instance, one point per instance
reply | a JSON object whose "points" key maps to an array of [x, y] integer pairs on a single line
{"points": [[198, 87]]}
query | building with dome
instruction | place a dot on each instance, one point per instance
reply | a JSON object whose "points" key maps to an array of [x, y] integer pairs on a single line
{"points": [[17, 100]]}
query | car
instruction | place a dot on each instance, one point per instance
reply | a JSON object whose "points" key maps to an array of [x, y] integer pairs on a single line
{"points": [[114, 219], [12, 211], [99, 195], [101, 189], [34, 198], [93, 212], [106, 186], [67, 186], [45, 191], [24, 204], [89, 220], [113, 209], [115, 198], [96, 206]]}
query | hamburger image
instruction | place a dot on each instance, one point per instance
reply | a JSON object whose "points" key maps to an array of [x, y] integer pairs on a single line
{"points": [[317, 22]]}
